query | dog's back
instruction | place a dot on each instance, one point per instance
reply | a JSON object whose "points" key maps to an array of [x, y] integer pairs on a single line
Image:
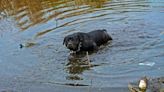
{"points": [[100, 36]]}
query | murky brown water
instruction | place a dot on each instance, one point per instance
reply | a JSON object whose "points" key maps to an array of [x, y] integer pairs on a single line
{"points": [[41, 65]]}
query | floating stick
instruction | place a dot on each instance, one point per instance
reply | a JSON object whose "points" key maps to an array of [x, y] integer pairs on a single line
{"points": [[88, 59]]}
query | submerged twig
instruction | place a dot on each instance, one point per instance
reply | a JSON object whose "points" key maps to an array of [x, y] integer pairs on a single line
{"points": [[88, 59]]}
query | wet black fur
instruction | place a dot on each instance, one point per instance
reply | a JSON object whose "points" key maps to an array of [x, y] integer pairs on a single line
{"points": [[86, 41]]}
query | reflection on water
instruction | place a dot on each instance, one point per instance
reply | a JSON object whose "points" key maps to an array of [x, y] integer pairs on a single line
{"points": [[28, 13], [32, 32], [77, 64]]}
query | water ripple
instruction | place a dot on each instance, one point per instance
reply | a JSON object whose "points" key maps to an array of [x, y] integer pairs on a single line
{"points": [[136, 27]]}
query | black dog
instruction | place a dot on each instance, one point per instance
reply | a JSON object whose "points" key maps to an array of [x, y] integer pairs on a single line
{"points": [[86, 41]]}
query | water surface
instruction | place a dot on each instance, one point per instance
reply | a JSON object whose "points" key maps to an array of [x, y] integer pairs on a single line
{"points": [[42, 64]]}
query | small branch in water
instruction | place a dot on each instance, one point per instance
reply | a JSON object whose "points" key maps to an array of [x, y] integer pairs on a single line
{"points": [[88, 59]]}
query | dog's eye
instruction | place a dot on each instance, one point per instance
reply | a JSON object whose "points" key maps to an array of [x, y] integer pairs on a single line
{"points": [[71, 39]]}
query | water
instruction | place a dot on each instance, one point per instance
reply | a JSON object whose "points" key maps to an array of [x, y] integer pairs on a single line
{"points": [[136, 27]]}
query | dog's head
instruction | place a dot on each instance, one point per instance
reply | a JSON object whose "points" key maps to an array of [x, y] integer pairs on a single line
{"points": [[72, 41]]}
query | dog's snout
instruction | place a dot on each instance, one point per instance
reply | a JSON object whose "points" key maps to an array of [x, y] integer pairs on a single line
{"points": [[69, 44]]}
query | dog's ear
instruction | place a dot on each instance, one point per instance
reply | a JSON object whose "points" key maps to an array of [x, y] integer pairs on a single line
{"points": [[64, 41]]}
